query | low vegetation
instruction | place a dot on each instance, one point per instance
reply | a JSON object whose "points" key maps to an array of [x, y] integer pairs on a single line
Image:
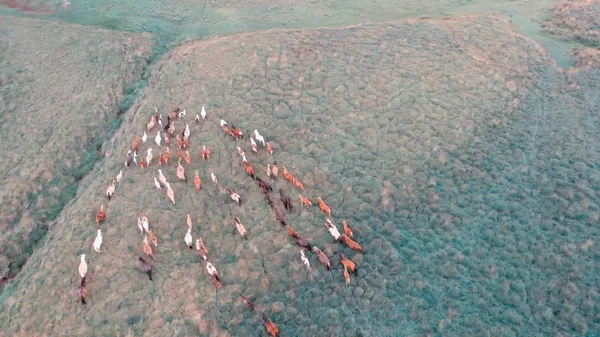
{"points": [[464, 160], [60, 87], [577, 20], [435, 139]]}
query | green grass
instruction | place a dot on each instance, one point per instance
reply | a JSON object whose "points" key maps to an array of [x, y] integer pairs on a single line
{"points": [[475, 201], [62, 103], [578, 21], [467, 202], [179, 20]]}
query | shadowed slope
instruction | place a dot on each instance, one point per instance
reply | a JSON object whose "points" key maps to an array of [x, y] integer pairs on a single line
{"points": [[60, 90]]}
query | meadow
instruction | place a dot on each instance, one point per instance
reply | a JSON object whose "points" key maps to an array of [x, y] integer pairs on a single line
{"points": [[460, 149], [60, 87]]}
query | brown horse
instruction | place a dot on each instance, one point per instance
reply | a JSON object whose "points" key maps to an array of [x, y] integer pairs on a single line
{"points": [[323, 206], [101, 216], [270, 326], [197, 181], [83, 292]]}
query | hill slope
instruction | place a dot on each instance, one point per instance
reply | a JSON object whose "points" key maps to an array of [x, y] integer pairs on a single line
{"points": [[419, 134], [60, 90]]}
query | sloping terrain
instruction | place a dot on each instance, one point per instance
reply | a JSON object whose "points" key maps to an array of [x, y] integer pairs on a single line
{"points": [[176, 20], [579, 20], [435, 139], [212, 17], [60, 90]]}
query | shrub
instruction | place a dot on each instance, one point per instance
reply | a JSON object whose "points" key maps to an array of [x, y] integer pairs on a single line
{"points": [[133, 320]]}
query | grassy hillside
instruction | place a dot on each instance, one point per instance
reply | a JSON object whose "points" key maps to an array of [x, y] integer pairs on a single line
{"points": [[175, 21], [435, 139], [60, 89], [210, 17], [579, 20], [463, 158]]}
